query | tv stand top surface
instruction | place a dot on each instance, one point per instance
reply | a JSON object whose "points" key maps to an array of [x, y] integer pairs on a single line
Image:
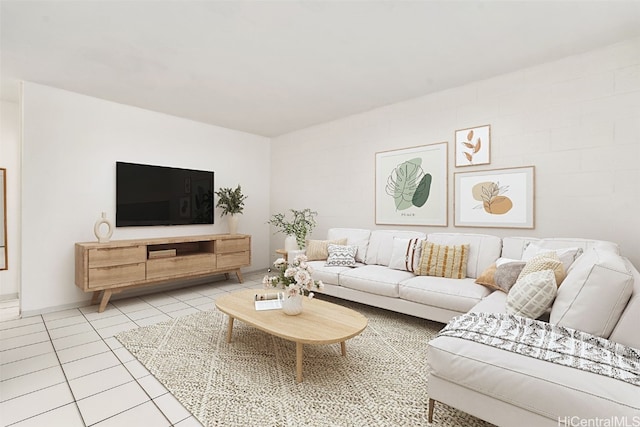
{"points": [[161, 240]]}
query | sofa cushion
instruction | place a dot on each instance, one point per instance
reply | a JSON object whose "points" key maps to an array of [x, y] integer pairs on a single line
{"points": [[317, 249], [487, 277], [381, 245], [484, 249], [501, 275], [553, 391], [375, 279], [545, 261], [495, 302], [355, 236], [328, 275], [626, 330], [566, 255], [507, 274], [514, 247], [594, 293], [451, 294], [405, 254], [443, 261], [341, 256], [532, 294]]}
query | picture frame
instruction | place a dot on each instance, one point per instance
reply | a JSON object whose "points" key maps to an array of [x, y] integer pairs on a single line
{"points": [[473, 146], [411, 186], [502, 198]]}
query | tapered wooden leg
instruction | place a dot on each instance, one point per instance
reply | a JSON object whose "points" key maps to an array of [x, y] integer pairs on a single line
{"points": [[105, 300], [343, 348], [299, 362], [431, 405], [229, 329], [239, 276], [96, 297]]}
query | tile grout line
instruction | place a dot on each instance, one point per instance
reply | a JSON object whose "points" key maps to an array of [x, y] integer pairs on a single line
{"points": [[162, 296]]}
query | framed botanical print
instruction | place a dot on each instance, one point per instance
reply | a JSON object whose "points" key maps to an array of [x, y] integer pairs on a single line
{"points": [[495, 198], [473, 146], [411, 186]]}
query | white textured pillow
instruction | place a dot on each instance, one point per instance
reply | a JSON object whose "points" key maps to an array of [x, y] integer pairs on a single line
{"points": [[532, 294], [355, 237], [566, 255], [341, 256], [405, 254], [594, 293]]}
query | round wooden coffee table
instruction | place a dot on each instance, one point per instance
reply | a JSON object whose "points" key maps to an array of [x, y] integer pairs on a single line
{"points": [[321, 322]]}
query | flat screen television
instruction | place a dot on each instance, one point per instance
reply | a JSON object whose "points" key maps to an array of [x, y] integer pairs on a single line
{"points": [[159, 195]]}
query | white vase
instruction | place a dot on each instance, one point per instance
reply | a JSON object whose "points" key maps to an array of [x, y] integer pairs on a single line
{"points": [[292, 305], [103, 237], [233, 224], [290, 243]]}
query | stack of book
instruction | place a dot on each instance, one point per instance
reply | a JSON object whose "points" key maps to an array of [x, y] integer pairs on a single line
{"points": [[271, 301]]}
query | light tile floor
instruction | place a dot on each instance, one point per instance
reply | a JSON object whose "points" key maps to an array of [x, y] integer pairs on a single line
{"points": [[66, 368]]}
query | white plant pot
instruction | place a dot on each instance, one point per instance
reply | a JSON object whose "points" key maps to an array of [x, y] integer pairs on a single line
{"points": [[233, 224], [290, 243], [292, 305]]}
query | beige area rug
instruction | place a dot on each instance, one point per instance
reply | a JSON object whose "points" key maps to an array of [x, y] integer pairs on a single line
{"points": [[251, 381]]}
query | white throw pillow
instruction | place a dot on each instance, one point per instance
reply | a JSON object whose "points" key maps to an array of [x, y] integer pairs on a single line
{"points": [[405, 254], [566, 255], [341, 256], [532, 294], [594, 293]]}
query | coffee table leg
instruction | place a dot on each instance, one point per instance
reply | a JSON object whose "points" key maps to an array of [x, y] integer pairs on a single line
{"points": [[229, 329], [299, 362], [343, 348]]}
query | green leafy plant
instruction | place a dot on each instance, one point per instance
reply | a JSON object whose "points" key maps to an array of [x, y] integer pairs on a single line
{"points": [[231, 201], [303, 223]]}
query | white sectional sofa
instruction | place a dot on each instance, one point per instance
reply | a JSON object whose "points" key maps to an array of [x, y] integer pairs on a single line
{"points": [[600, 296]]}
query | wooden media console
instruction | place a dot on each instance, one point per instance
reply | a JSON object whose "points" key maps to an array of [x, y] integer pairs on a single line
{"points": [[108, 268]]}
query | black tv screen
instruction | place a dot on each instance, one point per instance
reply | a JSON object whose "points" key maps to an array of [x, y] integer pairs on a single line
{"points": [[159, 195]]}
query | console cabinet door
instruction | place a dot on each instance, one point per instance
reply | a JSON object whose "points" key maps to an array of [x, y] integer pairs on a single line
{"points": [[104, 257], [224, 246], [180, 266]]}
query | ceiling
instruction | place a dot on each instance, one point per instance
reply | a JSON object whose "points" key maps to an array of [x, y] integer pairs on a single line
{"points": [[271, 67]]}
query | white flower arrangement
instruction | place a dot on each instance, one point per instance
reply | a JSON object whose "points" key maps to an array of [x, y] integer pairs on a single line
{"points": [[294, 278]]}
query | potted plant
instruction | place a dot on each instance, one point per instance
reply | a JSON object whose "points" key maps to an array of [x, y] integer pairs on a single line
{"points": [[232, 203], [303, 223]]}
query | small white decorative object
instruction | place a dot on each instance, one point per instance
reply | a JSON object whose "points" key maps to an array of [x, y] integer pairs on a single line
{"points": [[292, 305], [103, 238], [233, 224], [290, 243]]}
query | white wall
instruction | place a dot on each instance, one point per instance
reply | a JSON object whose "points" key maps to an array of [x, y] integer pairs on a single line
{"points": [[70, 147], [577, 120], [10, 159]]}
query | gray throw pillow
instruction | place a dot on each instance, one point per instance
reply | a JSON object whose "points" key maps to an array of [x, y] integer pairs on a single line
{"points": [[507, 274]]}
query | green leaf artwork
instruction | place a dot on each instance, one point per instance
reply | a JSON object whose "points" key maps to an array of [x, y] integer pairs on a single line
{"points": [[408, 184], [422, 191]]}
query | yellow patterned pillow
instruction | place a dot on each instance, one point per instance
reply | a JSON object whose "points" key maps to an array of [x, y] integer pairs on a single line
{"points": [[443, 261], [545, 261], [318, 249]]}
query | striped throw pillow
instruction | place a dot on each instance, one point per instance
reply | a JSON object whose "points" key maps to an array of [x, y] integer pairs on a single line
{"points": [[443, 261]]}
